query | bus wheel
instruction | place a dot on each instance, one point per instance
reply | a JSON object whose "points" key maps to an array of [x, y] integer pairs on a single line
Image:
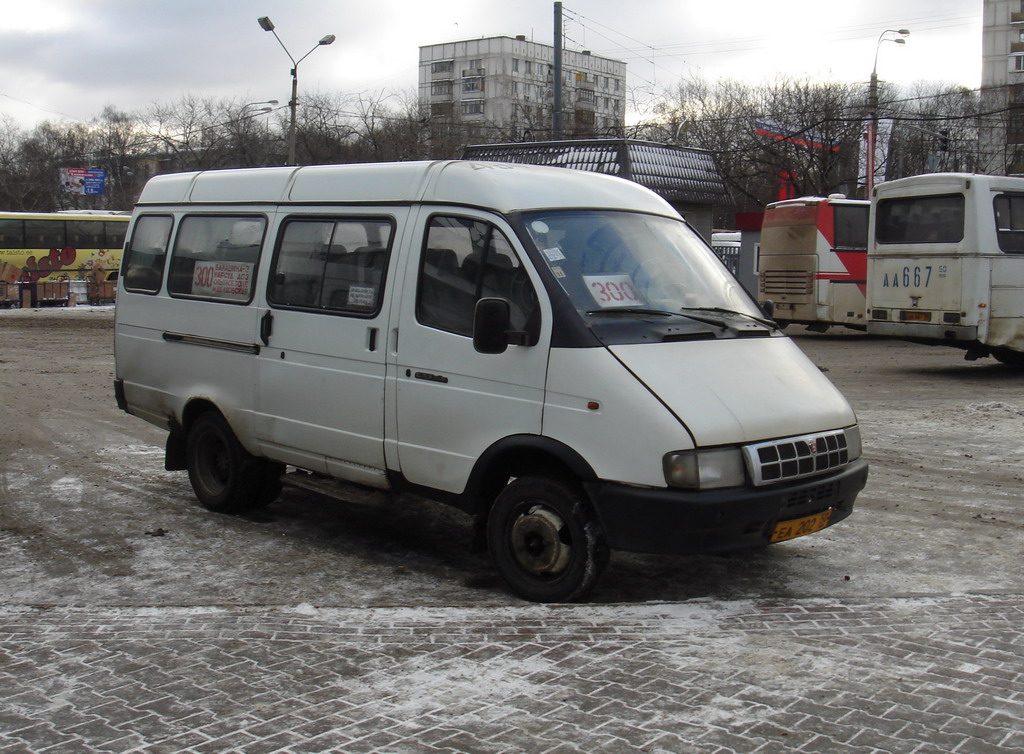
{"points": [[224, 477], [544, 541]]}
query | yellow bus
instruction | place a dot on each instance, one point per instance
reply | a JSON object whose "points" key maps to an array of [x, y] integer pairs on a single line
{"points": [[41, 253], [60, 246]]}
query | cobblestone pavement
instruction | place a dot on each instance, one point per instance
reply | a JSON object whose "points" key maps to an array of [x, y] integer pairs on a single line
{"points": [[908, 674]]}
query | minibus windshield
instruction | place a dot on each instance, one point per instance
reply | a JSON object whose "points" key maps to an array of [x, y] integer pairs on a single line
{"points": [[614, 261]]}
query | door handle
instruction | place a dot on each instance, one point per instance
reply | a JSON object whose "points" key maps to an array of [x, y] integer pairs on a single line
{"points": [[266, 327], [428, 376]]}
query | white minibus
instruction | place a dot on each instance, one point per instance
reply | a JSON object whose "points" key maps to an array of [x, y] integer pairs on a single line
{"points": [[553, 351], [812, 264], [946, 264]]}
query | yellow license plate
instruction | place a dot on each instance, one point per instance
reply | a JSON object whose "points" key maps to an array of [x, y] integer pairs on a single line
{"points": [[916, 316], [798, 527]]}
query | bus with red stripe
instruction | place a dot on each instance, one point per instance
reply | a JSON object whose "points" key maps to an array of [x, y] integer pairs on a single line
{"points": [[812, 263]]}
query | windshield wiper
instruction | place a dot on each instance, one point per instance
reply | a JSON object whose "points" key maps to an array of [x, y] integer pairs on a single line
{"points": [[660, 312], [633, 310], [722, 310]]}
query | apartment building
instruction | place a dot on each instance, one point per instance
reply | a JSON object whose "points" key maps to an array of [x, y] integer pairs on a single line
{"points": [[1002, 83], [501, 89]]}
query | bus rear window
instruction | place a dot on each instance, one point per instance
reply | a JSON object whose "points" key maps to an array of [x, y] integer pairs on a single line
{"points": [[1009, 210], [920, 220]]}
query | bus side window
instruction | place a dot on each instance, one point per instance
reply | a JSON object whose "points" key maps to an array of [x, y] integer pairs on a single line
{"points": [[1009, 217], [143, 265]]}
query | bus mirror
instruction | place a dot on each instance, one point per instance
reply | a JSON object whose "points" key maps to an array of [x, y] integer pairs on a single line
{"points": [[768, 307], [491, 320]]}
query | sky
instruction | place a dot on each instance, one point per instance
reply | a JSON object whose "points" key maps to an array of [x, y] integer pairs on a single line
{"points": [[65, 60]]}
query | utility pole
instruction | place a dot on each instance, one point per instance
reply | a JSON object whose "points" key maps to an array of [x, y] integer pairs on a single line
{"points": [[556, 106]]}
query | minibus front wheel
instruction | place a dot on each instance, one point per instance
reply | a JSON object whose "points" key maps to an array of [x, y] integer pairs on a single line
{"points": [[224, 476], [544, 540]]}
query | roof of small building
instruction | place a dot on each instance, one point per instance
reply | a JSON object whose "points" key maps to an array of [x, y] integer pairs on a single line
{"points": [[677, 174]]}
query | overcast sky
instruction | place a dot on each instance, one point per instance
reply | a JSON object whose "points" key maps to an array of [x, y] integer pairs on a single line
{"points": [[67, 59]]}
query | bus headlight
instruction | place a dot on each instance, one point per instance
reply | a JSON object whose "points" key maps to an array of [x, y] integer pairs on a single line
{"points": [[705, 469]]}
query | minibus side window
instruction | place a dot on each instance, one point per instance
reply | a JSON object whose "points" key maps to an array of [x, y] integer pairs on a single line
{"points": [[143, 266], [463, 261], [215, 257], [331, 265], [1009, 211]]}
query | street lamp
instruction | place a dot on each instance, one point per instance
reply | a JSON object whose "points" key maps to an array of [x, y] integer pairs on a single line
{"points": [[267, 108], [267, 25], [869, 180]]}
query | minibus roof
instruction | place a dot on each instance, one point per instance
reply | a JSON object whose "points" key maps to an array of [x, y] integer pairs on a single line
{"points": [[503, 187]]}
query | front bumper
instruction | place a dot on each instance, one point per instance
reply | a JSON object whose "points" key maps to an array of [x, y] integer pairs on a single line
{"points": [[680, 521]]}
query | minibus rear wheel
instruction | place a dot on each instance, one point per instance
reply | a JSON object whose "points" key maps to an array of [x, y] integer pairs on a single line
{"points": [[544, 540], [224, 477]]}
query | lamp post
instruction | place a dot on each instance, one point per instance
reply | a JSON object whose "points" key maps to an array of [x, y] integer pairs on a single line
{"points": [[872, 108], [267, 25]]}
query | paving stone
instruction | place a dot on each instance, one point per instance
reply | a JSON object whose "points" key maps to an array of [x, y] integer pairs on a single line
{"points": [[935, 675]]}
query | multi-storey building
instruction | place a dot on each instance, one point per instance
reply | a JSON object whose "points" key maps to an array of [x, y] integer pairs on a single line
{"points": [[501, 89], [1002, 87]]}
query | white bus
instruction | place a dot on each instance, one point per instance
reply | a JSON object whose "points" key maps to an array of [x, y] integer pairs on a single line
{"points": [[947, 263], [812, 266]]}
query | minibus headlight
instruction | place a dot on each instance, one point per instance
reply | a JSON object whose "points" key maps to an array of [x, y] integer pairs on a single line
{"points": [[853, 448], [705, 469]]}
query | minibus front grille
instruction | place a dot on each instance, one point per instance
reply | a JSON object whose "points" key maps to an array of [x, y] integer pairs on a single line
{"points": [[796, 457]]}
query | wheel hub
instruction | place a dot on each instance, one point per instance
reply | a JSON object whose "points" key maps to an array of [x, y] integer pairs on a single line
{"points": [[538, 543]]}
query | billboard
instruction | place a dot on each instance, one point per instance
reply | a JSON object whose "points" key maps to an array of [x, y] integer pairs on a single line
{"points": [[86, 181]]}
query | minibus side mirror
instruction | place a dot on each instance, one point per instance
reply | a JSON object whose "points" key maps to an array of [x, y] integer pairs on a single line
{"points": [[491, 320]]}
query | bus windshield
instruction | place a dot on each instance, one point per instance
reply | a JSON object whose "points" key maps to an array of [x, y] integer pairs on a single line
{"points": [[614, 260]]}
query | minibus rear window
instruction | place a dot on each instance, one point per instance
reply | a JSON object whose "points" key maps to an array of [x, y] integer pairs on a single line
{"points": [[920, 220], [1009, 211]]}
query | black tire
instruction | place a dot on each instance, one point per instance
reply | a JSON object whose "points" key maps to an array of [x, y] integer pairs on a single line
{"points": [[224, 477], [544, 541], [1009, 358]]}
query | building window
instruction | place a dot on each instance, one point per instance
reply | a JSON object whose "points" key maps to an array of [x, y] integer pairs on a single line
{"points": [[473, 85], [441, 110], [1017, 62], [442, 66], [528, 67], [515, 65], [473, 107], [441, 88], [476, 63]]}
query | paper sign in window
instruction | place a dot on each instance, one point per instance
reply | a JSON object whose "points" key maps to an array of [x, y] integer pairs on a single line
{"points": [[228, 280], [613, 290], [362, 297]]}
